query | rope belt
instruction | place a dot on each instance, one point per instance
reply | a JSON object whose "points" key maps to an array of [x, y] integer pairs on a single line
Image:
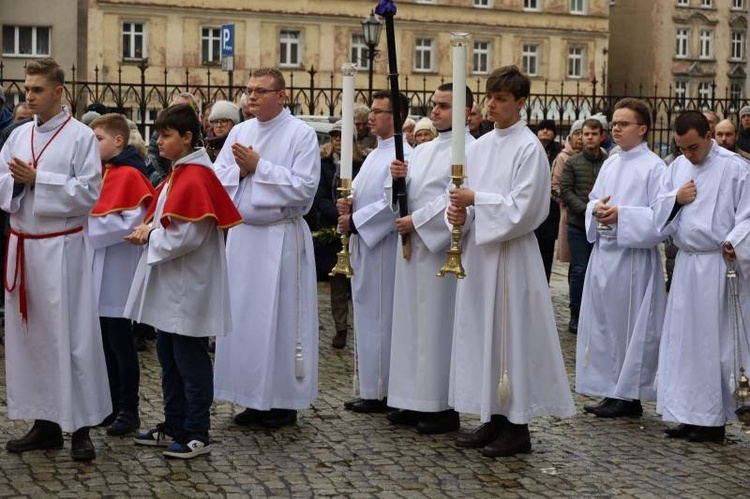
{"points": [[288, 220], [700, 252], [20, 263]]}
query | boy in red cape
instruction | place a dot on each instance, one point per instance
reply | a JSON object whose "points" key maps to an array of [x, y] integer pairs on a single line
{"points": [[180, 285], [125, 197]]}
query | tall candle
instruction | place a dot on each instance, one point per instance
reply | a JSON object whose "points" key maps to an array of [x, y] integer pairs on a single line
{"points": [[348, 71], [459, 42]]}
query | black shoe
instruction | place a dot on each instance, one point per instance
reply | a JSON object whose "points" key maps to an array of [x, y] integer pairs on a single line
{"points": [[591, 409], [573, 324], [81, 446], [514, 439], [681, 431], [250, 416], [108, 420], [620, 408], [405, 417], [349, 403], [125, 423], [707, 434], [483, 435], [439, 422], [369, 406], [339, 341], [278, 418], [43, 435]]}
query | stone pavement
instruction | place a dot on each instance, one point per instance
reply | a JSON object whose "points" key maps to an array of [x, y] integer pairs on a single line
{"points": [[332, 452]]}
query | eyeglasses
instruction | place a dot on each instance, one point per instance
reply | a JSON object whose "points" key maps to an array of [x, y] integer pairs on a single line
{"points": [[221, 122], [260, 92], [378, 112], [624, 124]]}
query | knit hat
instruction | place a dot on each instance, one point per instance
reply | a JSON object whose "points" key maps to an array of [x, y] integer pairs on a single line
{"points": [[224, 110], [547, 125], [336, 130], [425, 124], [602, 119], [745, 110], [577, 125], [89, 116]]}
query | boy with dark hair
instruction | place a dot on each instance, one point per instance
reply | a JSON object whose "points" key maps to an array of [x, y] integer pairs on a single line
{"points": [[506, 340], [126, 194], [184, 249], [704, 204]]}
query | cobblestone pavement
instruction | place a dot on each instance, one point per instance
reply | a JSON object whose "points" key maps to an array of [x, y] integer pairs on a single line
{"points": [[332, 452]]}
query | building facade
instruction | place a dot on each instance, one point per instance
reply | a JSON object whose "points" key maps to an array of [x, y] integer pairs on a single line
{"points": [[692, 49]]}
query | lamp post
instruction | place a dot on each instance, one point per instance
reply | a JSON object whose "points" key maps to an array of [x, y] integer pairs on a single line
{"points": [[371, 28]]}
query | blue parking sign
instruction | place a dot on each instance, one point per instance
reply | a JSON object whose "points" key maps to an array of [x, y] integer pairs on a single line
{"points": [[227, 40]]}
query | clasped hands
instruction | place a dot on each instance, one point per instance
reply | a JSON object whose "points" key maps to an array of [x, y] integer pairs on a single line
{"points": [[21, 171], [140, 234], [605, 213], [246, 158]]}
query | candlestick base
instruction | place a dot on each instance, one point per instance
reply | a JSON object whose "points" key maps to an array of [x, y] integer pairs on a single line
{"points": [[343, 261], [453, 263]]}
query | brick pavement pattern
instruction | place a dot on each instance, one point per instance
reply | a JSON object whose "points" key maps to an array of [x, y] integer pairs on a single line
{"points": [[332, 452]]}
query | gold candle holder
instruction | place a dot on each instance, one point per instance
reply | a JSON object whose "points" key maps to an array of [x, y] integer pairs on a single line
{"points": [[453, 263], [343, 262]]}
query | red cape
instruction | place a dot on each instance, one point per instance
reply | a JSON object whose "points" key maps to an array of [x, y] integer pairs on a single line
{"points": [[123, 188], [195, 193]]}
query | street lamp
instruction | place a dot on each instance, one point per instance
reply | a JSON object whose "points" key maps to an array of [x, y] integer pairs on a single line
{"points": [[371, 28]]}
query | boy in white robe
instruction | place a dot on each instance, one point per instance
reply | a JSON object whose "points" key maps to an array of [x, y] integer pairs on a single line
{"points": [[423, 304], [369, 217], [507, 365], [270, 167], [126, 195], [704, 204], [623, 295], [180, 286], [50, 178]]}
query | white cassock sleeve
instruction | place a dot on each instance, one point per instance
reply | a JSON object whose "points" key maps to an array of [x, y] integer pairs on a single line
{"points": [[636, 227], [502, 217], [8, 203], [74, 193], [738, 237], [376, 220], [665, 203], [178, 239], [110, 229], [283, 186]]}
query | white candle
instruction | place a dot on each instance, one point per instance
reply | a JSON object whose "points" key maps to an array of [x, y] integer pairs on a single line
{"points": [[459, 41], [348, 71]]}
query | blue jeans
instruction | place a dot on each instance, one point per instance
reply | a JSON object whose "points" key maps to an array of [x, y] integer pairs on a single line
{"points": [[580, 252], [187, 382]]}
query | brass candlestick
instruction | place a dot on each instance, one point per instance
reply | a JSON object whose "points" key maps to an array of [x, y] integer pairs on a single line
{"points": [[452, 263], [343, 264]]}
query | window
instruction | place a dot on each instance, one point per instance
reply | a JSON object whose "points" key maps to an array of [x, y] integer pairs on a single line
{"points": [[682, 43], [483, 3], [359, 52], [683, 3], [575, 62], [26, 41], [707, 3], [210, 45], [423, 54], [289, 48], [530, 59], [738, 4], [532, 5], [133, 41], [735, 95], [707, 41], [738, 45], [577, 6], [704, 95], [680, 93], [481, 64]]}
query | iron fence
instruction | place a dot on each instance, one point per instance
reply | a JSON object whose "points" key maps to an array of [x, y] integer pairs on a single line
{"points": [[309, 93]]}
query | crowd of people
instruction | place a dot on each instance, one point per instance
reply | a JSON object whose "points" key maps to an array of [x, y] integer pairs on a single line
{"points": [[208, 231]]}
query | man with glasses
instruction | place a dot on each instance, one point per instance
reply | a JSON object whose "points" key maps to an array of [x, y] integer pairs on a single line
{"points": [[369, 216], [623, 293], [270, 166]]}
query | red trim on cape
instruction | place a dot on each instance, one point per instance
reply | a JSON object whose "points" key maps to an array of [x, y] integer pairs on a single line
{"points": [[123, 188], [195, 193]]}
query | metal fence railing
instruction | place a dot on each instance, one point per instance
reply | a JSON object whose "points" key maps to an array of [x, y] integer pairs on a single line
{"points": [[309, 93]]}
